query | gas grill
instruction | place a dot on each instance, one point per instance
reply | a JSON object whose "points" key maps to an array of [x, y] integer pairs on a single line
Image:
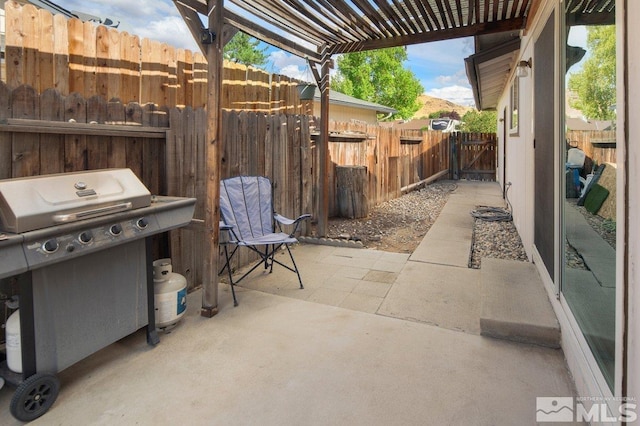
{"points": [[78, 246]]}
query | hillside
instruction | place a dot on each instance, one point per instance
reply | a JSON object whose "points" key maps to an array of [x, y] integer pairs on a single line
{"points": [[431, 104]]}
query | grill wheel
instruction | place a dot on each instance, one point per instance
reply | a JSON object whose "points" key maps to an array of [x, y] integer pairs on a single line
{"points": [[34, 396]]}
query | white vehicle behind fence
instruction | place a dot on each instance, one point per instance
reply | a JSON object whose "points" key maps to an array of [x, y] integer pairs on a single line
{"points": [[446, 125]]}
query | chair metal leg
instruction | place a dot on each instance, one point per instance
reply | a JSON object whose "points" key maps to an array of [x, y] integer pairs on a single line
{"points": [[228, 266], [295, 267]]}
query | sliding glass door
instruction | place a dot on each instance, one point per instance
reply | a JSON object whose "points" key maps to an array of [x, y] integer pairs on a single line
{"points": [[589, 180]]}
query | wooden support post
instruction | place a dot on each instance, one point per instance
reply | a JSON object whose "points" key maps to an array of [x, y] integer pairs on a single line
{"points": [[213, 152], [323, 149]]}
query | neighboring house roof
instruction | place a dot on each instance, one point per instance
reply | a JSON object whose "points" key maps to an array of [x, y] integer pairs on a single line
{"points": [[337, 98], [574, 123]]}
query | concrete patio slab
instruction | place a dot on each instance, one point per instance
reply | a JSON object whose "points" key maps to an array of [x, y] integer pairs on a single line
{"points": [[515, 305], [435, 294], [275, 361], [443, 252]]}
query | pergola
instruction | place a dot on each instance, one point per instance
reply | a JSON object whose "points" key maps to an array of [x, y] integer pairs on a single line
{"points": [[316, 30]]}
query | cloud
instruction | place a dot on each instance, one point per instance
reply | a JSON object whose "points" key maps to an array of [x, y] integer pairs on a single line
{"points": [[290, 65], [459, 79], [441, 53], [457, 94], [171, 30], [139, 12]]}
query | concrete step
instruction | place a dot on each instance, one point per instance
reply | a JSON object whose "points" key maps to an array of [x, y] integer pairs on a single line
{"points": [[514, 304]]}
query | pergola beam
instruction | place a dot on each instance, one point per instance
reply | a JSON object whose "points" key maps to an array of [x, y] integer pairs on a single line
{"points": [[515, 24]]}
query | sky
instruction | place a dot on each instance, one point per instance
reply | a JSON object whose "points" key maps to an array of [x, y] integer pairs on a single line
{"points": [[438, 65]]}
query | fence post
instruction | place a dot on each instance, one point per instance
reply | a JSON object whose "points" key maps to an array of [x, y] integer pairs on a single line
{"points": [[454, 156]]}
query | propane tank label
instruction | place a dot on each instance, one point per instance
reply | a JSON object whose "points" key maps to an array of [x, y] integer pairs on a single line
{"points": [[182, 300]]}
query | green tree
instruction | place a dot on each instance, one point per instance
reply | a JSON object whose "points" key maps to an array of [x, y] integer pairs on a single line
{"points": [[595, 84], [244, 49], [379, 76], [475, 121]]}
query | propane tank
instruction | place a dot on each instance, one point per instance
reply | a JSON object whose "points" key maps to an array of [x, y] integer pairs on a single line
{"points": [[170, 294], [13, 345]]}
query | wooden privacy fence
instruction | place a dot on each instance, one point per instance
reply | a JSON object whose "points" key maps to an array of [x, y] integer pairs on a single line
{"points": [[394, 159], [165, 147], [49, 51], [599, 146]]}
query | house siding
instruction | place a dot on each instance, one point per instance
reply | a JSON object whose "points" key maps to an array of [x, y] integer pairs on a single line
{"points": [[628, 111], [347, 113]]}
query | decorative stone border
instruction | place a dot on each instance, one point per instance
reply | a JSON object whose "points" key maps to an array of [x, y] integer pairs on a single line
{"points": [[331, 242]]}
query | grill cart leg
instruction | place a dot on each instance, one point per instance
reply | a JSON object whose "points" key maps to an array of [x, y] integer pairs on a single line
{"points": [[152, 333]]}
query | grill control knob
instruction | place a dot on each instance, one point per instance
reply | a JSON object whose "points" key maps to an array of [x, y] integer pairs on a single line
{"points": [[85, 237], [142, 223], [115, 230], [50, 246]]}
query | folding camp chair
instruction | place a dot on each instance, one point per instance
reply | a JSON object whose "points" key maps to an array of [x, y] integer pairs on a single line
{"points": [[248, 219]]}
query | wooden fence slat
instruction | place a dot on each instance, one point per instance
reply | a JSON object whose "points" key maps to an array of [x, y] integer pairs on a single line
{"points": [[76, 43], [171, 80], [13, 41], [44, 49], [97, 146], [61, 54], [31, 31], [89, 61], [25, 103], [103, 58], [5, 137], [115, 66], [75, 151], [51, 146], [118, 147]]}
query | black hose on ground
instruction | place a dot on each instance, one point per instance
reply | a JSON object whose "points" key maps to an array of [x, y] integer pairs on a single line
{"points": [[495, 214]]}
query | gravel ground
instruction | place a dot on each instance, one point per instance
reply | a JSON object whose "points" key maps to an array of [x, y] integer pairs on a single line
{"points": [[397, 225], [496, 239], [400, 225]]}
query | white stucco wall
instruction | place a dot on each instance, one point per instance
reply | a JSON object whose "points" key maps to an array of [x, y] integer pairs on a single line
{"points": [[632, 317], [520, 153]]}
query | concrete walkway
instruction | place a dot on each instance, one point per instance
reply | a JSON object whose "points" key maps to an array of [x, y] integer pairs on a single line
{"points": [[375, 338]]}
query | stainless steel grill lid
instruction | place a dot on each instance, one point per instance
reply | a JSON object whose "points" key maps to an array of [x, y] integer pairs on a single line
{"points": [[43, 201]]}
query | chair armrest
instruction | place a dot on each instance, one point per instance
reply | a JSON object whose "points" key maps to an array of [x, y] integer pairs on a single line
{"points": [[286, 221], [224, 227]]}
